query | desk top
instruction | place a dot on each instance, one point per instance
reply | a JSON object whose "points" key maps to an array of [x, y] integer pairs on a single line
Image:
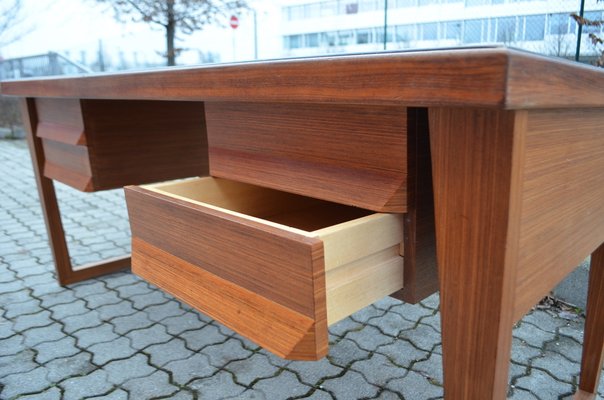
{"points": [[492, 77]]}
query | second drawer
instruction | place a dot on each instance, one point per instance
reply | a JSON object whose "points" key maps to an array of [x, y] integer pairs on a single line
{"points": [[277, 268]]}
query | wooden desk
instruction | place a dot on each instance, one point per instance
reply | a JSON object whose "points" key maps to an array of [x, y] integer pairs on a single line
{"points": [[516, 144]]}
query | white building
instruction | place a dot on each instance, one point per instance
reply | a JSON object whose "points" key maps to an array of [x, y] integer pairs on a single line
{"points": [[344, 26]]}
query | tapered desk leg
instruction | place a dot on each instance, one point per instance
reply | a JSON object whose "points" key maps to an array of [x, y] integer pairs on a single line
{"points": [[66, 273], [475, 168], [593, 343]]}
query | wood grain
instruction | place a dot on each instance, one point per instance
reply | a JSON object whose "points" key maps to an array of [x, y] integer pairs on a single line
{"points": [[476, 166], [421, 273], [285, 332], [60, 120], [68, 164], [279, 265], [562, 192], [135, 142], [354, 155], [479, 77], [593, 340]]}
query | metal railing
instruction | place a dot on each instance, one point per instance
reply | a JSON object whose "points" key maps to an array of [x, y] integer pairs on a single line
{"points": [[40, 65]]}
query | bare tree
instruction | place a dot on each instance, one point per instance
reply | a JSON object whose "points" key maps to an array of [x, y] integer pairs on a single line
{"points": [[175, 16], [596, 40], [11, 21]]}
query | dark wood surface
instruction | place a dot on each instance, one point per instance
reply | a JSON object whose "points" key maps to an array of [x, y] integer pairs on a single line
{"points": [[480, 77], [593, 340], [474, 164], [350, 154]]}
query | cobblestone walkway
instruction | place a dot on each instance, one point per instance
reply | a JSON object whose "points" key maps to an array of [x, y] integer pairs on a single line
{"points": [[119, 338]]}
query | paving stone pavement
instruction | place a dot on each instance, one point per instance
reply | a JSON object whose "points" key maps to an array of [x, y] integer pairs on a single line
{"points": [[118, 337]]}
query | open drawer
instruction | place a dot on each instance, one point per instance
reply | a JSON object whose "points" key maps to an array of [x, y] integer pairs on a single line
{"points": [[276, 267]]}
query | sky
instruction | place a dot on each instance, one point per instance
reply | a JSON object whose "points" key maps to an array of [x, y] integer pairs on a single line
{"points": [[78, 27]]}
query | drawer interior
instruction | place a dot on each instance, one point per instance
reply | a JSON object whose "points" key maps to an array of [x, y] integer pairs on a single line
{"points": [[309, 258], [362, 249]]}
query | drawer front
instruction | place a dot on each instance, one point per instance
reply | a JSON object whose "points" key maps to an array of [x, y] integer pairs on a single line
{"points": [[124, 141], [349, 154], [262, 278]]}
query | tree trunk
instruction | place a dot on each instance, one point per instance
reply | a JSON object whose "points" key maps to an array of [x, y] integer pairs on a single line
{"points": [[170, 33]]}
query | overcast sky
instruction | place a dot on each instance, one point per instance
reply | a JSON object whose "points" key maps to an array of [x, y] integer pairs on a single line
{"points": [[74, 26]]}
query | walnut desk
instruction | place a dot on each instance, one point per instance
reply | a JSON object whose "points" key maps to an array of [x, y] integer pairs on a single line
{"points": [[324, 182]]}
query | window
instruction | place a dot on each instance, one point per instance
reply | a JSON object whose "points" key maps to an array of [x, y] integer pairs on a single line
{"points": [[428, 31], [470, 3], [364, 36], [345, 38], [404, 3], [472, 32], [312, 40], [405, 33], [328, 39], [558, 24], [506, 29], [451, 30], [534, 27], [293, 42], [592, 16]]}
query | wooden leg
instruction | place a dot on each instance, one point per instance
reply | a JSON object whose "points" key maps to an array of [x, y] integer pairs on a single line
{"points": [[475, 165], [66, 274], [593, 342]]}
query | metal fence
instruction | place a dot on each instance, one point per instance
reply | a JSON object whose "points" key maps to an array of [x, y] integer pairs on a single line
{"points": [[40, 65]]}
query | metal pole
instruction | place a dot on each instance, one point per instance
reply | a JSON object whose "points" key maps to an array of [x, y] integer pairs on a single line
{"points": [[580, 32], [255, 36], [386, 23]]}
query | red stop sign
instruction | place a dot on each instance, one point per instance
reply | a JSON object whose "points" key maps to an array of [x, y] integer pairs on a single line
{"points": [[234, 22]]}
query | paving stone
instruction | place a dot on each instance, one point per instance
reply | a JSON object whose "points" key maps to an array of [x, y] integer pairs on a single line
{"points": [[13, 286], [221, 354], [18, 363], [412, 312], [559, 366], [139, 320], [369, 338], [15, 297], [311, 372], [98, 334], [134, 289], [274, 360], [391, 324], [54, 393], [573, 330], [155, 385], [415, 386], [93, 384], [545, 320], [517, 371], [424, 337], [520, 394], [522, 353], [61, 348], [141, 338], [346, 352], [33, 381], [403, 353], [114, 350], [82, 321], [61, 311], [117, 394], [121, 371], [39, 279], [28, 321], [102, 299], [194, 367], [162, 354], [352, 385], [367, 313], [346, 325], [378, 370], [121, 309], [120, 279], [13, 310], [51, 299], [163, 311], [566, 346], [249, 394], [431, 369], [182, 323], [11, 345], [386, 302], [6, 329], [532, 335], [548, 387], [141, 301], [88, 288], [284, 386], [217, 387], [45, 289], [250, 369], [76, 365]]}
